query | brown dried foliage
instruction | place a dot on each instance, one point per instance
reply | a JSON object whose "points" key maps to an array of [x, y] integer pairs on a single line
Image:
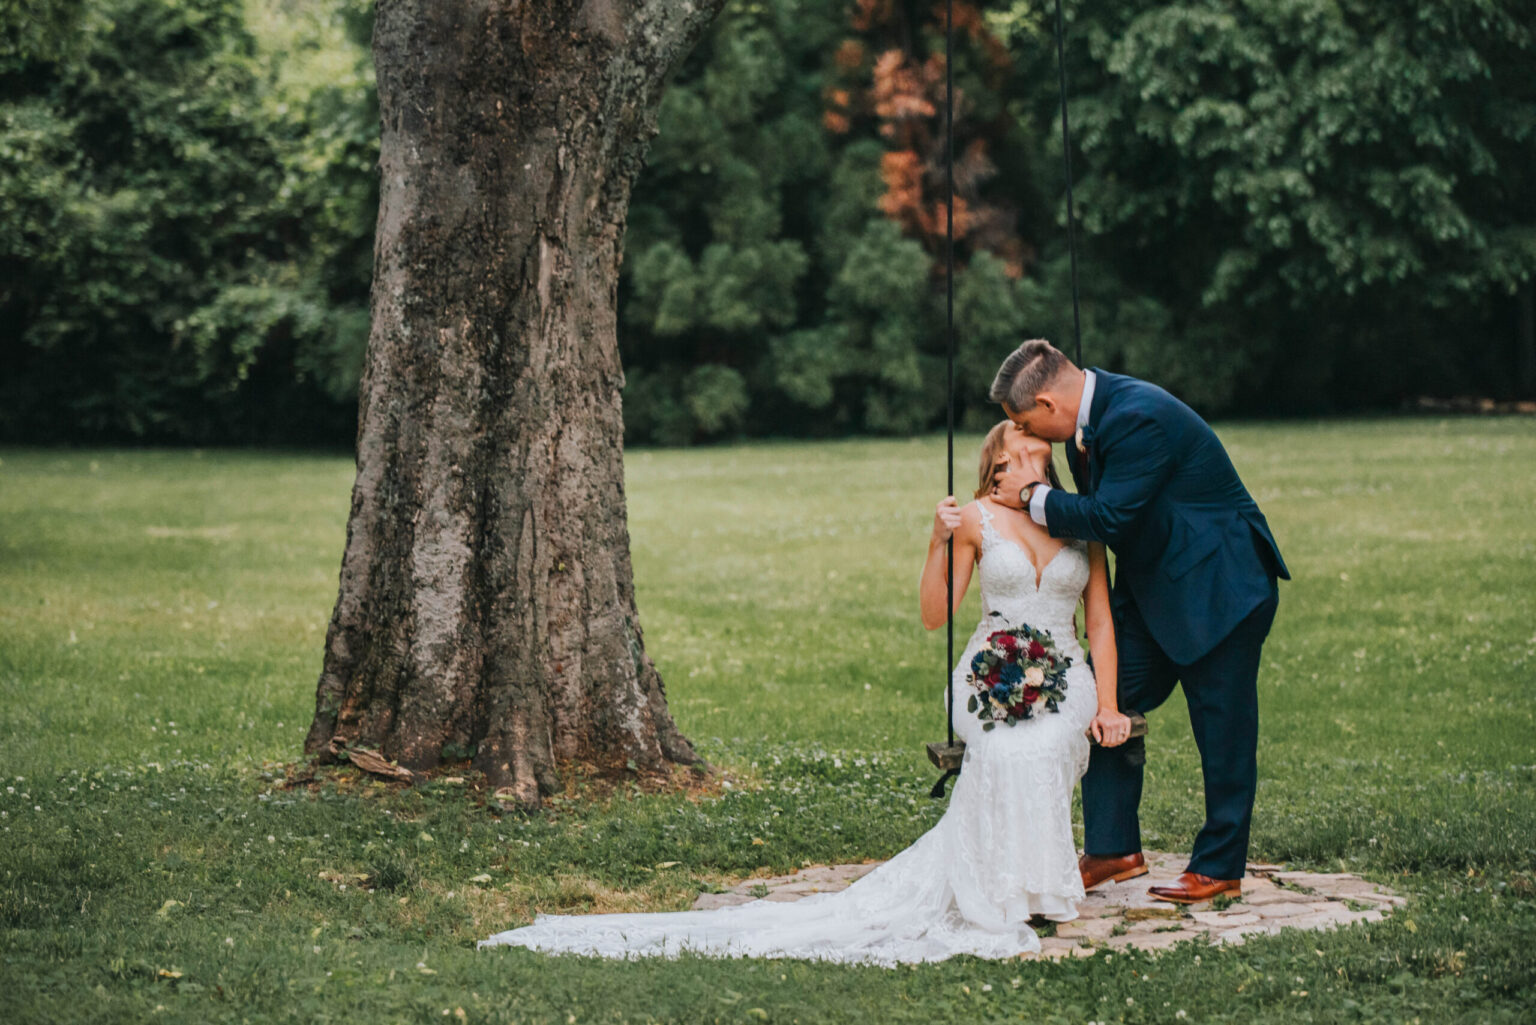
{"points": [[903, 95]]}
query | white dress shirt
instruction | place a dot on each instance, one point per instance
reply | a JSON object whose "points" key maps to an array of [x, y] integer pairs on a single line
{"points": [[1037, 500]]}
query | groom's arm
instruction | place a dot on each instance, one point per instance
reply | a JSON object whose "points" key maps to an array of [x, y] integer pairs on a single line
{"points": [[1136, 466]]}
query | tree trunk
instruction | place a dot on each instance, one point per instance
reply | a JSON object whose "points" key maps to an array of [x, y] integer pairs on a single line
{"points": [[486, 596]]}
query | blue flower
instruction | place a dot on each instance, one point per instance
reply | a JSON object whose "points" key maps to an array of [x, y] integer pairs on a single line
{"points": [[1000, 692], [1012, 673]]}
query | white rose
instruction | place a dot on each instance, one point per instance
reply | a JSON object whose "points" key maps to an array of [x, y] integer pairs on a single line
{"points": [[1034, 676]]}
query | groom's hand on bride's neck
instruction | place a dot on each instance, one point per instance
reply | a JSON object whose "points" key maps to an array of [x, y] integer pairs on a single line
{"points": [[1007, 485]]}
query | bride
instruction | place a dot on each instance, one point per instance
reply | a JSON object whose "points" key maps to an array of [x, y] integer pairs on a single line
{"points": [[1003, 850]]}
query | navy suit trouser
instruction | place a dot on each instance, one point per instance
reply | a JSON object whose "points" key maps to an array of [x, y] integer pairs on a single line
{"points": [[1221, 690]]}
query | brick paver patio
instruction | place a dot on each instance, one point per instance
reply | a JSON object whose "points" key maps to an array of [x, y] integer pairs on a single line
{"points": [[1123, 915]]}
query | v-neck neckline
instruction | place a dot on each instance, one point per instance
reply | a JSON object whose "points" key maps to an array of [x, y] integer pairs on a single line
{"points": [[1028, 555]]}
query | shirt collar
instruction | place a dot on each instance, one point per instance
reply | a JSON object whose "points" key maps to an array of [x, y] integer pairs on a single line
{"points": [[1085, 404]]}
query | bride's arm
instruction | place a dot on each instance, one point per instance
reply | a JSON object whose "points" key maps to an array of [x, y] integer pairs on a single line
{"points": [[962, 523], [1109, 726]]}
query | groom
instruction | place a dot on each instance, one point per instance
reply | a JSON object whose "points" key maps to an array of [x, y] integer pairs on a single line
{"points": [[1193, 598]]}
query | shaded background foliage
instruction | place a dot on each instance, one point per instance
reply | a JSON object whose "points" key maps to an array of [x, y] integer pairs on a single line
{"points": [[187, 197], [1286, 206]]}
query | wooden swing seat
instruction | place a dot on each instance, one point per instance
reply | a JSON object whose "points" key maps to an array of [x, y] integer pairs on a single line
{"points": [[947, 757]]}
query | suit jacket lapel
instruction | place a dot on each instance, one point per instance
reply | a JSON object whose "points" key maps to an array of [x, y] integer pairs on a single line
{"points": [[1103, 385], [1075, 464]]}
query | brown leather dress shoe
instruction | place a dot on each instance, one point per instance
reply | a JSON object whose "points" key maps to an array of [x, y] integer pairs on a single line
{"points": [[1096, 869], [1192, 888]]}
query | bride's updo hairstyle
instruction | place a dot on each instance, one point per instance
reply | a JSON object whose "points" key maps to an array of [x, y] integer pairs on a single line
{"points": [[992, 451]]}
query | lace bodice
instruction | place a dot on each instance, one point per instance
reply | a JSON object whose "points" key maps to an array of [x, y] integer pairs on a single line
{"points": [[1007, 578]]}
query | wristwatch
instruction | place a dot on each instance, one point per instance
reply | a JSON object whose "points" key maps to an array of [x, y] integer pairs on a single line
{"points": [[1027, 493]]}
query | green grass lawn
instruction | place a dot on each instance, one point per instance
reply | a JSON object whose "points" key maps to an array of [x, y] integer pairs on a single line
{"points": [[161, 620]]}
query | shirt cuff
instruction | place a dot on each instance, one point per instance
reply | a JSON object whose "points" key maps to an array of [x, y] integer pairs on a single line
{"points": [[1037, 503]]}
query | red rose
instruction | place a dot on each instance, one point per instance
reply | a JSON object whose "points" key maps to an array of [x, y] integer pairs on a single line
{"points": [[995, 676], [1031, 695], [1017, 709], [1007, 642], [1036, 649]]}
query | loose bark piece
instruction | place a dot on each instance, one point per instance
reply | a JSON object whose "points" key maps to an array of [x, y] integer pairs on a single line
{"points": [[376, 764]]}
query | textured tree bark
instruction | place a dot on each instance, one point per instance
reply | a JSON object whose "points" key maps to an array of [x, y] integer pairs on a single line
{"points": [[486, 597]]}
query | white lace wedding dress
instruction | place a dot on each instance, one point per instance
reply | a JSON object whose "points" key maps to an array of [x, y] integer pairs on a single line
{"points": [[1002, 851]]}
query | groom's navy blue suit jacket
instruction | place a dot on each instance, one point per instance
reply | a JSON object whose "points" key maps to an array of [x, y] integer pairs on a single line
{"points": [[1191, 547]]}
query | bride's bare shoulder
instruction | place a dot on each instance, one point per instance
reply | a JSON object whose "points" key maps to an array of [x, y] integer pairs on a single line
{"points": [[970, 519], [972, 509]]}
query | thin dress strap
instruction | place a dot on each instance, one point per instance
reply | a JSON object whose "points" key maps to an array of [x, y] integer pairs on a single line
{"points": [[987, 527]]}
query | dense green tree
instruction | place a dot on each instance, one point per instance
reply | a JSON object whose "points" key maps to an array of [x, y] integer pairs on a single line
{"points": [[715, 251], [1331, 198], [179, 259], [784, 252], [325, 113], [1284, 205]]}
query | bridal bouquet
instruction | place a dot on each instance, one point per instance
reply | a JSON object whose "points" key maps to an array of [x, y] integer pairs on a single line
{"points": [[1016, 673]]}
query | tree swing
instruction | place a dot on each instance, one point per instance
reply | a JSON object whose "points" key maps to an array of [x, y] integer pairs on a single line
{"points": [[948, 756]]}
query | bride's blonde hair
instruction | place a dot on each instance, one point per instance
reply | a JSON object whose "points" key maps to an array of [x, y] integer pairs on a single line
{"points": [[991, 449]]}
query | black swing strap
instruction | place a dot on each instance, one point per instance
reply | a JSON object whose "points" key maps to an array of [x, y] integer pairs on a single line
{"points": [[1066, 160], [949, 359]]}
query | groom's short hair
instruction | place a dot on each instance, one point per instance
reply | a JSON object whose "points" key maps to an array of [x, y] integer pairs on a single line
{"points": [[1028, 371]]}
